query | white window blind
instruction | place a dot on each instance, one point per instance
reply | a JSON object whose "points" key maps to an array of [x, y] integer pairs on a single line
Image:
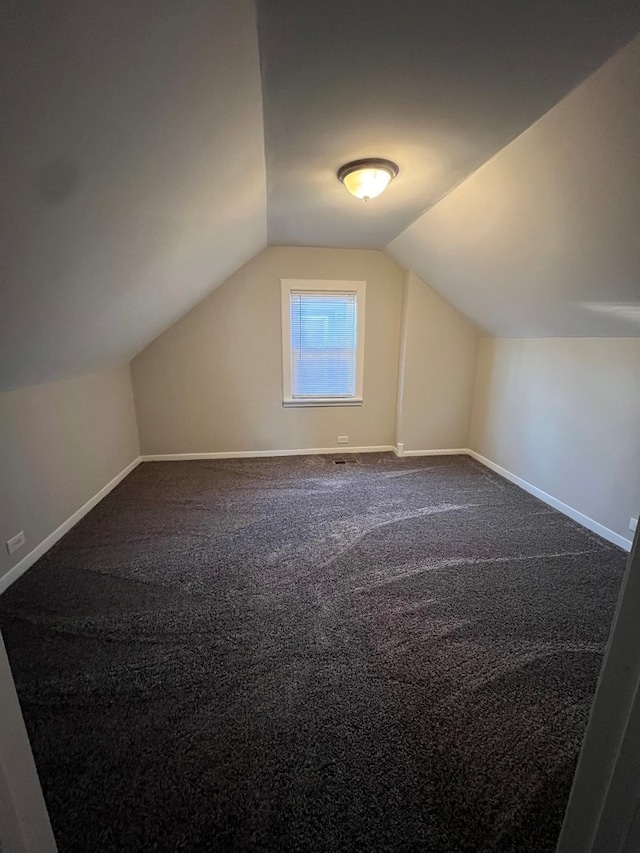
{"points": [[324, 337]]}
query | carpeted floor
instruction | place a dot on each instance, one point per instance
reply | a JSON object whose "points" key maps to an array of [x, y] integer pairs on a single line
{"points": [[293, 655]]}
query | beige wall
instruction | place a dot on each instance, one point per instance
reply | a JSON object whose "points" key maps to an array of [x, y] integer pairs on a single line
{"points": [[437, 373], [564, 414], [60, 443], [213, 381]]}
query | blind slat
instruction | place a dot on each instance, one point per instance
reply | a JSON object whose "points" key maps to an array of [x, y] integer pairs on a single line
{"points": [[323, 344]]}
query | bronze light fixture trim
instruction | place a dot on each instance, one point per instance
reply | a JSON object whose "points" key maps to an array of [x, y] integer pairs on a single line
{"points": [[367, 178]]}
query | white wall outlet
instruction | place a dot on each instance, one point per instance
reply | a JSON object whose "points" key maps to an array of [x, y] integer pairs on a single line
{"points": [[633, 523], [343, 439], [16, 542]]}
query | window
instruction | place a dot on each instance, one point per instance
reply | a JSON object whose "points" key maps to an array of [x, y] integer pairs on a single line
{"points": [[322, 342]]}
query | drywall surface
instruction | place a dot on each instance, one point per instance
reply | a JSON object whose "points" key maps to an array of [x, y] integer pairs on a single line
{"points": [[542, 241], [213, 381], [437, 371], [564, 415], [60, 443], [437, 87], [133, 174]]}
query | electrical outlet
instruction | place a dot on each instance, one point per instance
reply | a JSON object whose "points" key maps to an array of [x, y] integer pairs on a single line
{"points": [[633, 523], [16, 542], [343, 439]]}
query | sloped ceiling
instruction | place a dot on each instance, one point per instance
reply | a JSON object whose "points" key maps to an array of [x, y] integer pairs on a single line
{"points": [[133, 176], [438, 87], [133, 146], [544, 240]]}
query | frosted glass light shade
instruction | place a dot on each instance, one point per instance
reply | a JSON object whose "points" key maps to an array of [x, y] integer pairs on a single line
{"points": [[366, 179]]}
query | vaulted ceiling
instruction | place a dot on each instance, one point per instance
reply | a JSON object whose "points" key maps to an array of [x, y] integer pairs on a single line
{"points": [[133, 176], [543, 240], [135, 136], [438, 87]]}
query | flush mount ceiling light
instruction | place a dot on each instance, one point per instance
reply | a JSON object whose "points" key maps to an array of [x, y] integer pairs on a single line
{"points": [[366, 179]]}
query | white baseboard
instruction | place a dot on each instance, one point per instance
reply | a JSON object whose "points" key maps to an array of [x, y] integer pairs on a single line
{"points": [[26, 562], [248, 454], [580, 517], [453, 451], [20, 568]]}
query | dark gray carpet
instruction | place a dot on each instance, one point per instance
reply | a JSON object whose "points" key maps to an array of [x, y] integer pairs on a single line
{"points": [[293, 655]]}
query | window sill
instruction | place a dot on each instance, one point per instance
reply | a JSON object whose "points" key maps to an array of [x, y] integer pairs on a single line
{"points": [[336, 401]]}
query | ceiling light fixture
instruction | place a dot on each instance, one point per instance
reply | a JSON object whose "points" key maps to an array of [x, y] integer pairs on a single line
{"points": [[368, 178]]}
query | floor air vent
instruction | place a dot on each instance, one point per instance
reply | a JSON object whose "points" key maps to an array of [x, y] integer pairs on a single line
{"points": [[346, 460]]}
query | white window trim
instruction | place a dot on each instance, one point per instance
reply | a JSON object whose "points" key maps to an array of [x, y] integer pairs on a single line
{"points": [[314, 286]]}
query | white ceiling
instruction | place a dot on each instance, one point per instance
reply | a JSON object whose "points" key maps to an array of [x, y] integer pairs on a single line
{"points": [[438, 87], [133, 153], [133, 176], [544, 240]]}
